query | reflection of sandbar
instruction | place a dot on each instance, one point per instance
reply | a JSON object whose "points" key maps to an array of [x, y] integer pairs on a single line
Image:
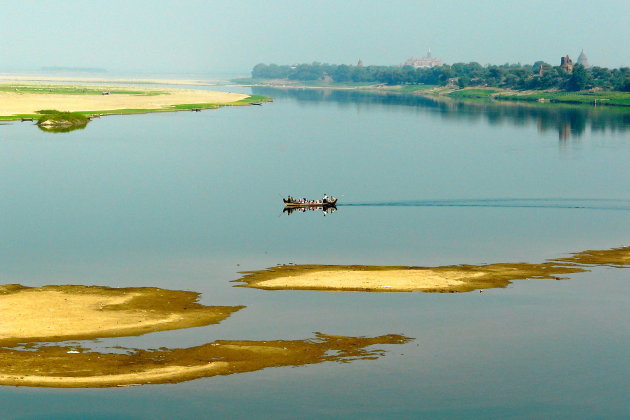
{"points": [[56, 313], [72, 367]]}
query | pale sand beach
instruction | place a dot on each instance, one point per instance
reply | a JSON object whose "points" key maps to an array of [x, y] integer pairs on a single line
{"points": [[12, 103], [56, 313], [76, 367]]}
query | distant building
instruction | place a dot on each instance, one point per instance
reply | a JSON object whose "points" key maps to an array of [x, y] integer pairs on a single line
{"points": [[566, 64], [583, 60], [424, 62]]}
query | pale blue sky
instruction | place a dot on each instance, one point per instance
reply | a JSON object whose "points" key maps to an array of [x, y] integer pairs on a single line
{"points": [[232, 36]]}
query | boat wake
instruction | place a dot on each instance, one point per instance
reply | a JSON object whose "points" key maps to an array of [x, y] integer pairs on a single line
{"points": [[537, 203]]}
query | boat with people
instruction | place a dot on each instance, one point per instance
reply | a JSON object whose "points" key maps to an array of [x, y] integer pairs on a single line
{"points": [[292, 202]]}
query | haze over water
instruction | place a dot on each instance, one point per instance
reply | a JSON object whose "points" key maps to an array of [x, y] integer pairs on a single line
{"points": [[186, 201]]}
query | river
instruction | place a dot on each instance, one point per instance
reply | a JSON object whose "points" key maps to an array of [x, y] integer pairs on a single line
{"points": [[188, 201]]}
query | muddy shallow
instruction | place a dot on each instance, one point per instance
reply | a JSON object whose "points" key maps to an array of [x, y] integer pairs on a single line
{"points": [[76, 367]]}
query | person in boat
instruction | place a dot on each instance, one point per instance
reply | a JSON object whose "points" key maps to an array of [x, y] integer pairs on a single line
{"points": [[325, 199]]}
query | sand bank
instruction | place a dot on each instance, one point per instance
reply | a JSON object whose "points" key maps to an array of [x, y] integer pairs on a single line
{"points": [[13, 103], [355, 278], [74, 367], [445, 279], [57, 313]]}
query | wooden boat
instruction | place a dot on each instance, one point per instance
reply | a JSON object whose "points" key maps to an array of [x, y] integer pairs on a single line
{"points": [[327, 203]]}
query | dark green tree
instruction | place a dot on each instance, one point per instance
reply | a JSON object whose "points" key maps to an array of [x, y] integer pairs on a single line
{"points": [[580, 79]]}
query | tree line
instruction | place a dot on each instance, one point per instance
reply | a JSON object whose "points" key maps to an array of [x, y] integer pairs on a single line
{"points": [[540, 75]]}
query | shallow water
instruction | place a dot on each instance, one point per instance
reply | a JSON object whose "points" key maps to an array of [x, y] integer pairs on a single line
{"points": [[188, 200]]}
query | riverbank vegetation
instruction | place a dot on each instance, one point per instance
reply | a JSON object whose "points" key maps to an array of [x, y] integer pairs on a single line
{"points": [[539, 82], [609, 98], [540, 75]]}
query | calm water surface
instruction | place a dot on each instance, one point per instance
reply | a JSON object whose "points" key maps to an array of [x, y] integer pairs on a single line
{"points": [[188, 200]]}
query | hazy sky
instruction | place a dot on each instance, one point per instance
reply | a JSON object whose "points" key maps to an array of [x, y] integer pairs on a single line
{"points": [[234, 35]]}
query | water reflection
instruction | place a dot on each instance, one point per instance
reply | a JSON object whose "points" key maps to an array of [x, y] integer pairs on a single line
{"points": [[61, 129], [324, 210], [566, 120]]}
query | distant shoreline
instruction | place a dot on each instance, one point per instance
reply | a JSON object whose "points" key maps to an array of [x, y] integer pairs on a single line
{"points": [[468, 94]]}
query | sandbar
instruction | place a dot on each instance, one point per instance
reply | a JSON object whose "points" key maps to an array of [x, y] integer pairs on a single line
{"points": [[615, 257], [443, 279], [76, 367], [360, 278], [58, 313], [16, 103]]}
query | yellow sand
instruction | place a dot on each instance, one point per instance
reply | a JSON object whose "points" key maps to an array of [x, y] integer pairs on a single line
{"points": [[55, 313], [12, 103], [363, 278], [421, 279]]}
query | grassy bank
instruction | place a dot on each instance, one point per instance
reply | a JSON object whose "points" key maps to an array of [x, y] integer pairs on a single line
{"points": [[578, 98]]}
